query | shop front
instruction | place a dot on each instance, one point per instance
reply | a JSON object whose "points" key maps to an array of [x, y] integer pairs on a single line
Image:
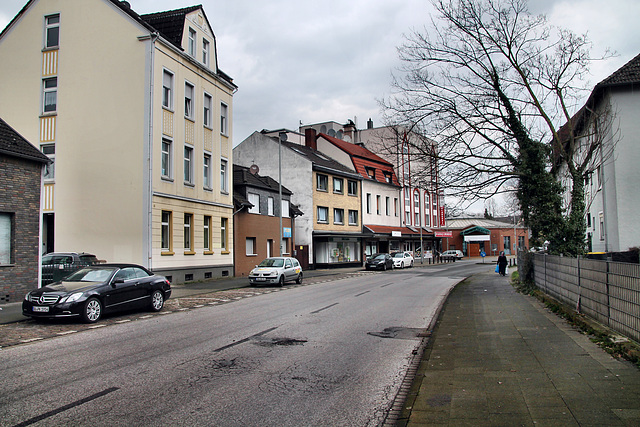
{"points": [[337, 251]]}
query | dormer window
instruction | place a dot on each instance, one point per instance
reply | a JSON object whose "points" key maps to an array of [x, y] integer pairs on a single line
{"points": [[387, 177], [371, 172], [192, 42]]}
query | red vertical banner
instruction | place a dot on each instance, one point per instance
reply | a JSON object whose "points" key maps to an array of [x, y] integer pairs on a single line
{"points": [[442, 218]]}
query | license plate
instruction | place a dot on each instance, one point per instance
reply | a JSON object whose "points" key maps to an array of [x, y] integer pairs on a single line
{"points": [[260, 279], [41, 309]]}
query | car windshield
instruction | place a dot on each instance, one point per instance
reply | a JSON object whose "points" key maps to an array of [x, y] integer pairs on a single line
{"points": [[272, 262], [398, 254], [378, 256], [90, 275]]}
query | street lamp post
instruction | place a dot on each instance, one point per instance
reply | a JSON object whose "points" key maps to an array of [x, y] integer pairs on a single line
{"points": [[282, 137]]}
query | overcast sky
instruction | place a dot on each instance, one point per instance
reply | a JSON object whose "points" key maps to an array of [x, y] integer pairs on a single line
{"points": [[311, 61]]}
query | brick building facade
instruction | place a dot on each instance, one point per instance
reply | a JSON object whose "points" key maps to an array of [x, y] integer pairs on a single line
{"points": [[20, 182]]}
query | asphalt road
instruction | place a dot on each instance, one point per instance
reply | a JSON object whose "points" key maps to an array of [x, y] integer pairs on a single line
{"points": [[332, 353]]}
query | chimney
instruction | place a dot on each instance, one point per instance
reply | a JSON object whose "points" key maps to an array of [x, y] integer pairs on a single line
{"points": [[310, 138], [349, 130], [369, 123]]}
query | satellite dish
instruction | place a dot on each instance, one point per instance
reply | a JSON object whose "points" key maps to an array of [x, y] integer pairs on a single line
{"points": [[332, 133], [254, 169]]}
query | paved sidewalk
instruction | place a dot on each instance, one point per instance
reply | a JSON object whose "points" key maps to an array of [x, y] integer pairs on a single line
{"points": [[499, 358]]}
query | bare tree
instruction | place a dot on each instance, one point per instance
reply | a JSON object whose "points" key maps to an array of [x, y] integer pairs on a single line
{"points": [[493, 84]]}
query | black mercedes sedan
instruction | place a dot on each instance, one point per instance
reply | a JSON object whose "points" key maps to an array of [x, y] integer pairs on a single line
{"points": [[95, 290]]}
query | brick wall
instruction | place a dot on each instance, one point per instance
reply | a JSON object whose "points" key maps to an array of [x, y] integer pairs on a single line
{"points": [[20, 197]]}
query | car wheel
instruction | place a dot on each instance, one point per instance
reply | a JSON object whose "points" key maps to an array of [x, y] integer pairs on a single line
{"points": [[411, 266], [281, 281], [384, 267], [92, 310], [402, 265], [299, 279], [157, 300]]}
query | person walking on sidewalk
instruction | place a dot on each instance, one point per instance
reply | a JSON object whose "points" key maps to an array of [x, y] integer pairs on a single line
{"points": [[502, 264]]}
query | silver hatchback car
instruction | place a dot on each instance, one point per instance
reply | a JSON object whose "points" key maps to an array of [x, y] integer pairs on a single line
{"points": [[276, 271]]}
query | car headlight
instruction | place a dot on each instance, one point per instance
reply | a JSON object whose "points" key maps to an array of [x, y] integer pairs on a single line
{"points": [[72, 297], [26, 297]]}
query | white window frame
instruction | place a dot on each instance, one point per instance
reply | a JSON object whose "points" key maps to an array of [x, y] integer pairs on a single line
{"points": [[49, 92], [51, 26], [352, 185], [206, 170], [49, 150], [224, 119], [224, 176], [168, 155], [206, 115], [166, 225], [368, 203], [224, 234], [322, 182], [188, 164], [353, 217], [188, 232], [250, 246], [167, 89], [189, 100], [206, 228], [6, 242], [324, 218], [191, 42], [338, 185], [205, 51], [284, 206], [338, 216], [270, 206], [254, 199]]}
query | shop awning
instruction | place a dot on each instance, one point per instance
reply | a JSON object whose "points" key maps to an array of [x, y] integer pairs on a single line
{"points": [[477, 230]]}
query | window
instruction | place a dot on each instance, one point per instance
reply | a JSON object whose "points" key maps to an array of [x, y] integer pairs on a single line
{"points": [[427, 214], [206, 170], [395, 206], [601, 221], [371, 172], [223, 119], [223, 176], [507, 244], [52, 31], [49, 170], [368, 203], [188, 232], [378, 204], [352, 187], [166, 244], [338, 216], [323, 214], [416, 207], [207, 110], [167, 90], [338, 185], [387, 206], [50, 95], [387, 176], [353, 217], [205, 51], [322, 182], [207, 233], [6, 240], [224, 233], [188, 100], [254, 199], [188, 165], [285, 208], [166, 158], [270, 210], [192, 42], [251, 246]]}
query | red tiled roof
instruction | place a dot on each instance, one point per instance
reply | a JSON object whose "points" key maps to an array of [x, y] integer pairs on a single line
{"points": [[363, 158]]}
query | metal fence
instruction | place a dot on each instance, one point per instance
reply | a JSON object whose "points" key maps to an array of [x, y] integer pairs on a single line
{"points": [[606, 291]]}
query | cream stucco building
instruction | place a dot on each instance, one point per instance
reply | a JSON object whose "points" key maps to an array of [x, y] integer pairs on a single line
{"points": [[136, 116]]}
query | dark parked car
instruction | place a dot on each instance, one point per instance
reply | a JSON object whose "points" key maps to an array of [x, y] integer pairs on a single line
{"points": [[92, 291], [57, 265], [379, 262]]}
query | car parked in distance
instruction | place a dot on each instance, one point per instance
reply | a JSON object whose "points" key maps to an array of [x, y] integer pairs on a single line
{"points": [[276, 271], [95, 290], [57, 265], [379, 261], [452, 254], [402, 259]]}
